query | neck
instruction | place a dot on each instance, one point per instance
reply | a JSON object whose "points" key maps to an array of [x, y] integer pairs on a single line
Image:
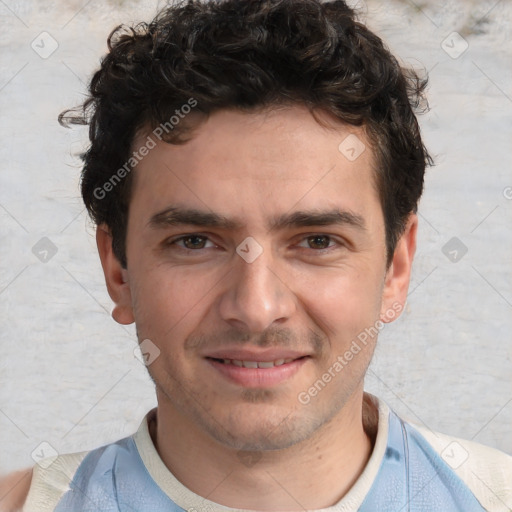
{"points": [[313, 474]]}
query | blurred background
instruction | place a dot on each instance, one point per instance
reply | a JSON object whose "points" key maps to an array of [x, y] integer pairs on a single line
{"points": [[68, 373]]}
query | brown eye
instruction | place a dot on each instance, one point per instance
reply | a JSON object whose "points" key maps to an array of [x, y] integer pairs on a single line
{"points": [[191, 242], [318, 241], [194, 242]]}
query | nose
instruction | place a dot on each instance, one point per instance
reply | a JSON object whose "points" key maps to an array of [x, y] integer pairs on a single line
{"points": [[256, 295]]}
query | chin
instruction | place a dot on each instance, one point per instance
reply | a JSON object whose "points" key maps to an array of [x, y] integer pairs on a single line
{"points": [[263, 428]]}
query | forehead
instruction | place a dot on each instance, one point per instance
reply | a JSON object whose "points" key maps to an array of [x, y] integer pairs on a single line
{"points": [[250, 164]]}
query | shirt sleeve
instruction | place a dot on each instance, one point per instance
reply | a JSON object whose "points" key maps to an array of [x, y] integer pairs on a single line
{"points": [[486, 471], [50, 480]]}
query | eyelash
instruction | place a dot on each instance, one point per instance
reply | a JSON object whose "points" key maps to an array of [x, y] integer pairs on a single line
{"points": [[173, 242]]}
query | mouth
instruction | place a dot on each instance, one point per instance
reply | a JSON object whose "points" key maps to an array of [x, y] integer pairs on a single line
{"points": [[255, 364], [254, 373]]}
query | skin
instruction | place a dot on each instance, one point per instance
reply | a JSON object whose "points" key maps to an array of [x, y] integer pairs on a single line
{"points": [[258, 448], [14, 489]]}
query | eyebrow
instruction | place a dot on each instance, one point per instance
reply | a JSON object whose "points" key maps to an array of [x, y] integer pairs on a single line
{"points": [[176, 216]]}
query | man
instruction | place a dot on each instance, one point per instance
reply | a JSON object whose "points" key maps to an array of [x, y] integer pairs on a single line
{"points": [[254, 173]]}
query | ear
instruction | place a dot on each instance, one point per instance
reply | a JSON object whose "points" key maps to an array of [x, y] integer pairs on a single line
{"points": [[116, 277], [396, 285]]}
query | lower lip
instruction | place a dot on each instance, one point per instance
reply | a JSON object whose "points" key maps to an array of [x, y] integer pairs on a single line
{"points": [[258, 377]]}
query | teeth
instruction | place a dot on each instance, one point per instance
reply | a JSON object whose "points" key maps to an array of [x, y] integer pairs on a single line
{"points": [[268, 364], [257, 364]]}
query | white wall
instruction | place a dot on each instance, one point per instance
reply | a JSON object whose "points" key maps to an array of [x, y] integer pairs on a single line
{"points": [[68, 375]]}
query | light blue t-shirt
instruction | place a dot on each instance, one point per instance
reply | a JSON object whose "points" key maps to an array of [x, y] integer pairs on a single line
{"points": [[410, 469]]}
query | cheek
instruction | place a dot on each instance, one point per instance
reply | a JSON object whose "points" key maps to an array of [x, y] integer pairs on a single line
{"points": [[166, 300], [341, 302]]}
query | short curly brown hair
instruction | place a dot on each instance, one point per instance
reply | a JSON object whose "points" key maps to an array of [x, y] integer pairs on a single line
{"points": [[250, 55]]}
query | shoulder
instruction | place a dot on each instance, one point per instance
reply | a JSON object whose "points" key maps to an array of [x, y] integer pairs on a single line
{"points": [[50, 480], [486, 471], [52, 477], [14, 489]]}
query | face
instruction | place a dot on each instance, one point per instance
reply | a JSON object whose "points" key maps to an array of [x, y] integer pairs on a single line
{"points": [[256, 257]]}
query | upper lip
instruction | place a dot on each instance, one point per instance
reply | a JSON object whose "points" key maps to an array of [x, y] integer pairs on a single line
{"points": [[254, 355]]}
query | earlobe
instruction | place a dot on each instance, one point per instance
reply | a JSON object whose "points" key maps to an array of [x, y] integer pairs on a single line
{"points": [[398, 276], [116, 277]]}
